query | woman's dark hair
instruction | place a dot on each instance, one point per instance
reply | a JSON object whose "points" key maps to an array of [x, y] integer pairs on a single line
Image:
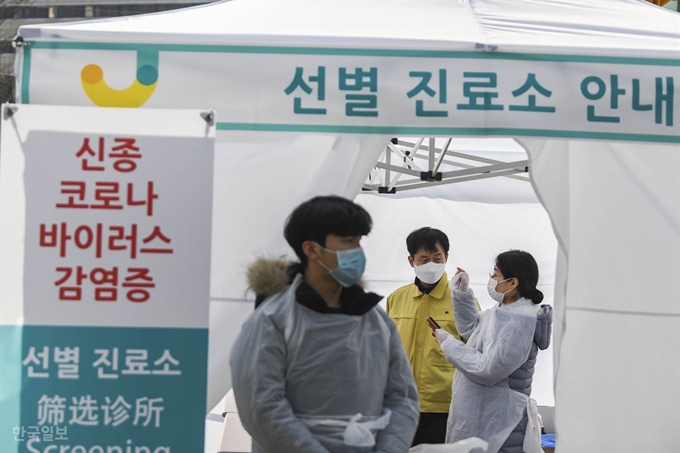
{"points": [[522, 266], [315, 219]]}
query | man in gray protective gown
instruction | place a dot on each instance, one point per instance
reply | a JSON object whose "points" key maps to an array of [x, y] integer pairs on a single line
{"points": [[319, 367]]}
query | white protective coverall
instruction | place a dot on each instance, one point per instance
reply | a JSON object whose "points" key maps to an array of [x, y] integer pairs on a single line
{"points": [[499, 342], [300, 375]]}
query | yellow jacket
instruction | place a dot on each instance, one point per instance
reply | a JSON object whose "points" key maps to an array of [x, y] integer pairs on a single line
{"points": [[409, 308]]}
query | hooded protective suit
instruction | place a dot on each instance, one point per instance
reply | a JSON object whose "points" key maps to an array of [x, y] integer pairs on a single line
{"points": [[309, 380], [501, 341]]}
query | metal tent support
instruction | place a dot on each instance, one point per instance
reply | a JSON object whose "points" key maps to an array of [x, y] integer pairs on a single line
{"points": [[413, 165]]}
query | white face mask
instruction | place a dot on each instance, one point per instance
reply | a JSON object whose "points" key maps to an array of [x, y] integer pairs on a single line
{"points": [[430, 273], [491, 288]]}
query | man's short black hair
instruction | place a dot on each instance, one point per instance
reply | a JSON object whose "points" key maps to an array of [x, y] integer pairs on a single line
{"points": [[315, 219], [426, 238]]}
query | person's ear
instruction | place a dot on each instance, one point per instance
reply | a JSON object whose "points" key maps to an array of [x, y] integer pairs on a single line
{"points": [[410, 261], [446, 257], [514, 283], [311, 250]]}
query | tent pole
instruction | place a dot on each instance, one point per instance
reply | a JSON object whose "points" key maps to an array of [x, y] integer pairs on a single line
{"points": [[431, 149], [445, 148], [407, 159], [407, 171], [520, 166], [388, 161], [420, 185]]}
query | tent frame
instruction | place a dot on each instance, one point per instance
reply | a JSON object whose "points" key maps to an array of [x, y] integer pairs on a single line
{"points": [[412, 173]]}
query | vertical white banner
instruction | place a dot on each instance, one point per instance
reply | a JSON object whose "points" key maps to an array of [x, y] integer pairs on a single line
{"points": [[105, 227]]}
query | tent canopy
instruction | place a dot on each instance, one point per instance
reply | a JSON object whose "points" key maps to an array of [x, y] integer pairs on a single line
{"points": [[627, 27]]}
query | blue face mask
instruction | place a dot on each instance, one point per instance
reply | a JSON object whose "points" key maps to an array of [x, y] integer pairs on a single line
{"points": [[351, 265]]}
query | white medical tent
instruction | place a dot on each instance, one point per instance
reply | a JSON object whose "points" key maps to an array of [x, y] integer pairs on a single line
{"points": [[307, 93]]}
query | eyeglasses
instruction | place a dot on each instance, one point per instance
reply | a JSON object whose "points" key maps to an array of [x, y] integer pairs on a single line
{"points": [[492, 275]]}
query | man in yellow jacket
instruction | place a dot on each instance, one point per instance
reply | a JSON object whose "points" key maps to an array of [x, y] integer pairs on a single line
{"points": [[409, 307]]}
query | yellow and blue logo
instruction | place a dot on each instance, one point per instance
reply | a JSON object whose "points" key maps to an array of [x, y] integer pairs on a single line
{"points": [[100, 93]]}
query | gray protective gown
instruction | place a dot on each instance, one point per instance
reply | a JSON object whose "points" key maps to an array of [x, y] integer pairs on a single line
{"points": [[300, 375], [501, 347]]}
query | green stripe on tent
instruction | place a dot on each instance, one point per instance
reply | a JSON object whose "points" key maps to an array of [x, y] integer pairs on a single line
{"points": [[26, 75], [485, 55], [447, 131]]}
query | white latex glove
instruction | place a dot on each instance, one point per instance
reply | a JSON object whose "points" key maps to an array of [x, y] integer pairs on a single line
{"points": [[461, 280], [442, 335]]}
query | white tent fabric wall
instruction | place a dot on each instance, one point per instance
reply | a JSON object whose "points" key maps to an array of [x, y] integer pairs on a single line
{"points": [[256, 186], [616, 211]]}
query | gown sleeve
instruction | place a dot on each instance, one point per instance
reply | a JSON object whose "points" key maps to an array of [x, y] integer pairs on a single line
{"points": [[507, 343], [465, 311]]}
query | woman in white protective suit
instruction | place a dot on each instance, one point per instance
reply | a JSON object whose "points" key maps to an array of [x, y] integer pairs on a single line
{"points": [[495, 368]]}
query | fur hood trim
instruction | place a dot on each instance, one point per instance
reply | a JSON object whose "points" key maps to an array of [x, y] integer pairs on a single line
{"points": [[268, 276]]}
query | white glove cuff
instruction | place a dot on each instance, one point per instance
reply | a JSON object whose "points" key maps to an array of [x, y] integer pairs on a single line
{"points": [[442, 335], [460, 281]]}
